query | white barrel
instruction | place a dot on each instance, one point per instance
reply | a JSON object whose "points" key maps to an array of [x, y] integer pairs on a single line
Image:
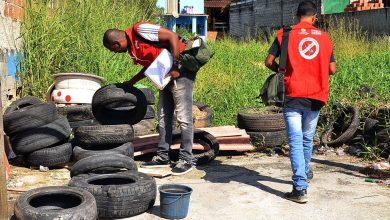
{"points": [[77, 81], [72, 96]]}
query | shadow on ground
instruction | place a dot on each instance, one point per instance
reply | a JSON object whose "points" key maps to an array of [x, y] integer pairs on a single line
{"points": [[216, 172]]}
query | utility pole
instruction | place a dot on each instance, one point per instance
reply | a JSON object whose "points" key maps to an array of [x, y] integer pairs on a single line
{"points": [[3, 184]]}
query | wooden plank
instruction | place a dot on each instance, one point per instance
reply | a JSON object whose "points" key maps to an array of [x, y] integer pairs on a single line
{"points": [[156, 172], [3, 181]]}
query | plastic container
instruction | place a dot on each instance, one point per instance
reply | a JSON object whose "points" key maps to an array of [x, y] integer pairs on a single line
{"points": [[174, 201]]}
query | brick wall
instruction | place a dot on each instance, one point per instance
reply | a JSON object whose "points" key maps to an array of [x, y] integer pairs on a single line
{"points": [[13, 9], [11, 14]]}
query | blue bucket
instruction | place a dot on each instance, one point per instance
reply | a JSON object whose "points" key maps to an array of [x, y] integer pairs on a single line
{"points": [[174, 201]]}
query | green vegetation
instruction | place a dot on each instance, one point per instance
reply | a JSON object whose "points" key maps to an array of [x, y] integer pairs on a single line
{"points": [[68, 39]]}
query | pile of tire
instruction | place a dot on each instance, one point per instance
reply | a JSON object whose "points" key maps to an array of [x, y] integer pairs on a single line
{"points": [[266, 127], [78, 115], [37, 132], [376, 131], [148, 123], [105, 154]]}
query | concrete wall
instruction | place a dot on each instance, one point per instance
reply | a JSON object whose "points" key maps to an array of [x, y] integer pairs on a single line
{"points": [[11, 13], [373, 21], [264, 14], [242, 20]]}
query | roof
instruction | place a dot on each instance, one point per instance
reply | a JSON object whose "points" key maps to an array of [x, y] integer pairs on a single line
{"points": [[217, 4]]}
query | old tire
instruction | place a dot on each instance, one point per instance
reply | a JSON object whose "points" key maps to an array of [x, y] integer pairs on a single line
{"points": [[50, 157], [76, 113], [41, 137], [76, 124], [150, 113], [201, 137], [103, 135], [116, 94], [89, 164], [56, 202], [346, 135], [119, 195], [126, 149], [383, 116], [149, 94], [271, 120], [22, 103], [383, 136], [29, 117], [269, 139], [371, 127], [144, 127]]}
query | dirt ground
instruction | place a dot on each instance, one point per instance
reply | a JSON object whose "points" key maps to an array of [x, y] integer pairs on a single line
{"points": [[252, 187]]}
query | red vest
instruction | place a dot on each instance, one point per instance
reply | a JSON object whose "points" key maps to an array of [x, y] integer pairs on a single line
{"points": [[307, 70], [143, 53]]}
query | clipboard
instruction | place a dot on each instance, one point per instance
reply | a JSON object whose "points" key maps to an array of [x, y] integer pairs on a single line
{"points": [[159, 68]]}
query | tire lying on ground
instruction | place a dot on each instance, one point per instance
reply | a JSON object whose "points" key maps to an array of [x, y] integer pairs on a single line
{"points": [[22, 103], [268, 139], [204, 138], [126, 149], [203, 115], [41, 137], [149, 94], [48, 203], [50, 157], [119, 195], [93, 163], [383, 116], [144, 127], [251, 119], [29, 117], [371, 127], [103, 135], [383, 136], [331, 139], [150, 112], [119, 104], [76, 113]]}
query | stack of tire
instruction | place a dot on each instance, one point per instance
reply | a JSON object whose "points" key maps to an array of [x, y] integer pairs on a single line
{"points": [[148, 123], [266, 127], [105, 155], [78, 115], [38, 133]]}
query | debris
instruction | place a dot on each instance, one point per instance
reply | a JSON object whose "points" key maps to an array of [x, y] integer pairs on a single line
{"points": [[43, 169], [340, 152], [381, 166], [355, 151], [371, 180]]}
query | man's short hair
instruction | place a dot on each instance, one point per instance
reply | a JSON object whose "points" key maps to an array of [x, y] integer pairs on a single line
{"points": [[306, 8], [111, 36]]}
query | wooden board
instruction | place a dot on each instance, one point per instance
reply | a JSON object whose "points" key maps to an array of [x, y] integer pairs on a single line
{"points": [[156, 172]]}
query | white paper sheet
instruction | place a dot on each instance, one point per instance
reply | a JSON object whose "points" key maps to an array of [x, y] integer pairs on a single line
{"points": [[159, 68]]}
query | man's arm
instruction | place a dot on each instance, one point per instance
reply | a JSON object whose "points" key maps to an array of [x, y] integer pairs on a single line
{"points": [[271, 63], [139, 76], [170, 38], [332, 68]]}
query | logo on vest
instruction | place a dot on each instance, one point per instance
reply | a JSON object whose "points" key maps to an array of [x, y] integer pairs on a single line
{"points": [[309, 48]]}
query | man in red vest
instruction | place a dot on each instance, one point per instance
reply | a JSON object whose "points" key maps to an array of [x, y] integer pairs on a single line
{"points": [[310, 61], [144, 42]]}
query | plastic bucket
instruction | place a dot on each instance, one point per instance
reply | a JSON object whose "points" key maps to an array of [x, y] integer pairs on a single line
{"points": [[174, 201]]}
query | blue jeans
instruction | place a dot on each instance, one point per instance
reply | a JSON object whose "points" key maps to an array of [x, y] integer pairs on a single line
{"points": [[176, 98], [301, 126]]}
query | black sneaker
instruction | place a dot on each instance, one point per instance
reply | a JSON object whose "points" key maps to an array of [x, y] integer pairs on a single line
{"points": [[299, 196], [182, 167], [310, 176], [156, 162]]}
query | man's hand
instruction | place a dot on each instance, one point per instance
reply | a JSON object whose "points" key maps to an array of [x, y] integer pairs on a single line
{"points": [[174, 73]]}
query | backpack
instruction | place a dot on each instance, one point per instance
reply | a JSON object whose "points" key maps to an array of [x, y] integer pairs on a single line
{"points": [[195, 55], [272, 91]]}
